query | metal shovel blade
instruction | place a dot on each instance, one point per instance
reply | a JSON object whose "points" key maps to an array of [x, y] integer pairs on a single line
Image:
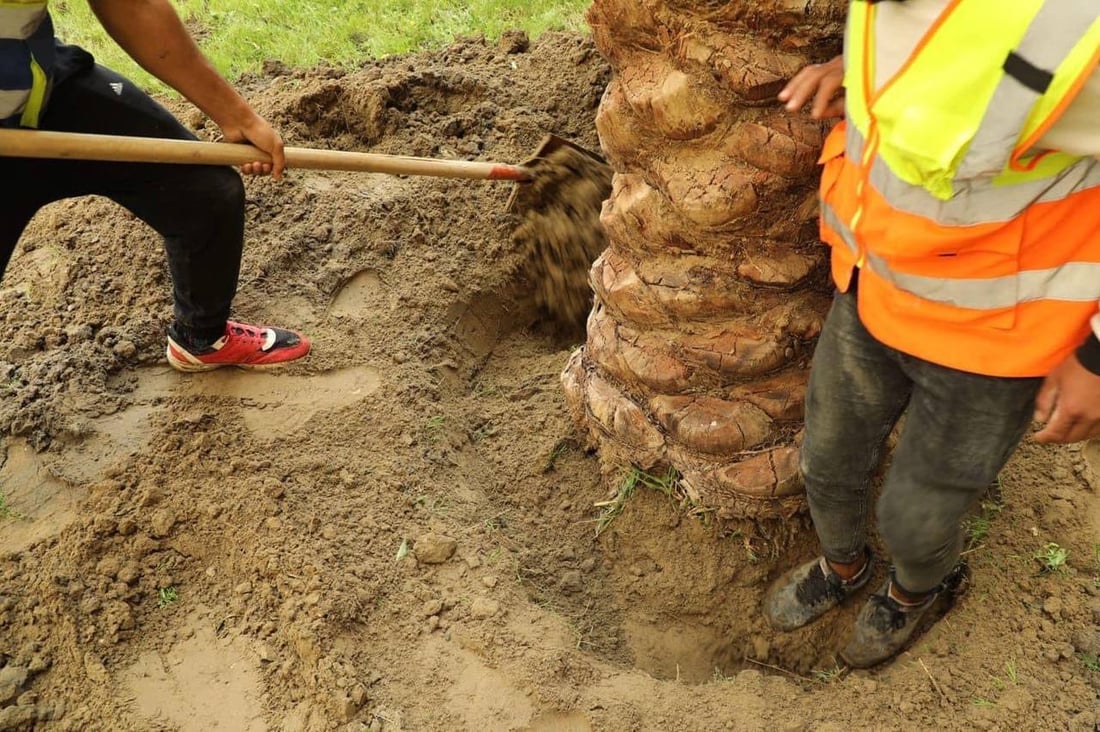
{"points": [[549, 145]]}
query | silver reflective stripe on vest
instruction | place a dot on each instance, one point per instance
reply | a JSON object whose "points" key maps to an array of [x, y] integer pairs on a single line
{"points": [[1054, 32], [977, 201], [20, 20], [832, 220], [853, 142], [1075, 282]]}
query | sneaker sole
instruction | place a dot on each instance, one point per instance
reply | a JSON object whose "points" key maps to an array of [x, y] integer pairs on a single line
{"points": [[187, 367]]}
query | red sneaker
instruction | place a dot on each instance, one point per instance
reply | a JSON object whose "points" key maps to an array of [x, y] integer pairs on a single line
{"points": [[244, 346]]}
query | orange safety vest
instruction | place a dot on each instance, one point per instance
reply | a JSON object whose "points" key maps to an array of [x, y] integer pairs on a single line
{"points": [[976, 251]]}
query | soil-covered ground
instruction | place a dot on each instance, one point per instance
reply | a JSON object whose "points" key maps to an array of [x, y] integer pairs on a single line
{"points": [[400, 532]]}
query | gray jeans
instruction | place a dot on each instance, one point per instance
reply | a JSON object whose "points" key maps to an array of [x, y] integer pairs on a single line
{"points": [[959, 431]]}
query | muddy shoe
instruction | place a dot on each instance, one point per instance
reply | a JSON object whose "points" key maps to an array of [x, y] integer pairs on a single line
{"points": [[885, 626], [808, 592], [243, 346]]}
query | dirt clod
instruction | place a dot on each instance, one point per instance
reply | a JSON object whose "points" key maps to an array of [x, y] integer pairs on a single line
{"points": [[484, 607], [12, 679], [514, 41], [431, 607], [163, 521], [434, 548], [15, 717]]}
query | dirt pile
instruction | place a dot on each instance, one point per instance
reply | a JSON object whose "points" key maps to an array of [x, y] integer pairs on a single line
{"points": [[399, 533]]}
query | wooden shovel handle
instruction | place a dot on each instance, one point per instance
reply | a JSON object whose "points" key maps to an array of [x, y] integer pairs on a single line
{"points": [[75, 146]]}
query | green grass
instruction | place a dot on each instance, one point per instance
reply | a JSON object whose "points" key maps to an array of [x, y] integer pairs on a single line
{"points": [[7, 512], [433, 428], [167, 596], [434, 505], [635, 478], [1052, 559], [560, 448], [239, 35], [1011, 677], [719, 676], [977, 527], [829, 675]]}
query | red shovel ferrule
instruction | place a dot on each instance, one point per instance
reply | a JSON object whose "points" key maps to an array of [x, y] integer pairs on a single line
{"points": [[510, 172]]}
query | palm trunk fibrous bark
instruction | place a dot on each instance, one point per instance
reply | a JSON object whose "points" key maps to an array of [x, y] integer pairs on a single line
{"points": [[714, 285]]}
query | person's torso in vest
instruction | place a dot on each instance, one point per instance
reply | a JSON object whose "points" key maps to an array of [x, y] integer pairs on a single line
{"points": [[26, 57], [979, 239]]}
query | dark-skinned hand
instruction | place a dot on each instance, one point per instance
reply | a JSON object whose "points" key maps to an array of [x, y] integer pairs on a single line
{"points": [[258, 132], [821, 82], [1068, 404]]}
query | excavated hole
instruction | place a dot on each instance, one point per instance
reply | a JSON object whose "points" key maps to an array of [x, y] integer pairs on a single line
{"points": [[557, 238], [481, 324], [689, 596], [679, 597], [675, 596]]}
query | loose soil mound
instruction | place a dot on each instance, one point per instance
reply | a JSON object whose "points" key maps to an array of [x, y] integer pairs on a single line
{"points": [[399, 533]]}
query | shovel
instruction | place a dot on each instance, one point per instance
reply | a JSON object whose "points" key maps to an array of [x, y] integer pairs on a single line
{"points": [[120, 149], [563, 188]]}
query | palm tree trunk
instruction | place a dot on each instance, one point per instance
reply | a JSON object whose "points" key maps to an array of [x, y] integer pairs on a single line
{"points": [[714, 286]]}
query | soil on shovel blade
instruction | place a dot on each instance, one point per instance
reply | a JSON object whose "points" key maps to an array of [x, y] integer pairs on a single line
{"points": [[560, 234], [399, 533]]}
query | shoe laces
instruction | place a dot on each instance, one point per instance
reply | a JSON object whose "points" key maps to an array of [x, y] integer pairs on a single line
{"points": [[834, 585], [245, 331], [895, 614], [821, 583], [252, 333], [888, 614]]}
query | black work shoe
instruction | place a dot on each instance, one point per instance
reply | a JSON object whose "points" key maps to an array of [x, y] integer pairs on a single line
{"points": [[809, 591], [884, 625]]}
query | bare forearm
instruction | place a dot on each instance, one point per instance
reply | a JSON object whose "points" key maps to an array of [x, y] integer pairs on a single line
{"points": [[152, 33]]}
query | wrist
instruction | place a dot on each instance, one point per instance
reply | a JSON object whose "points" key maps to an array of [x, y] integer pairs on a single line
{"points": [[233, 127], [1088, 354], [233, 113]]}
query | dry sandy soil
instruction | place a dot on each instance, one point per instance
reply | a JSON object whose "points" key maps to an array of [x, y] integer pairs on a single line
{"points": [[399, 533]]}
